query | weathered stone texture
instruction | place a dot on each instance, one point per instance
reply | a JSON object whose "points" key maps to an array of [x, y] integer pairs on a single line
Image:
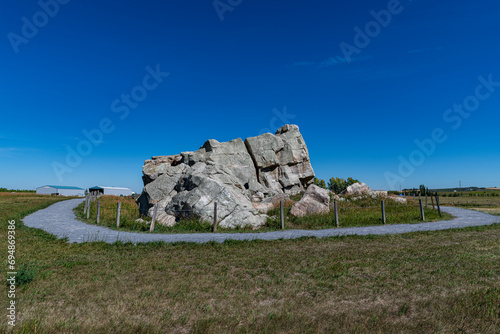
{"points": [[235, 174], [315, 200]]}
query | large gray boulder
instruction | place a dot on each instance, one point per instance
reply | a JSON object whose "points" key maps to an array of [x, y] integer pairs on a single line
{"points": [[282, 161], [315, 200], [236, 174]]}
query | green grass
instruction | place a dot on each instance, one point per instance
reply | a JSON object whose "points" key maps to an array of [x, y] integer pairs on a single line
{"points": [[349, 216], [26, 272], [427, 282], [361, 212], [130, 213], [14, 205]]}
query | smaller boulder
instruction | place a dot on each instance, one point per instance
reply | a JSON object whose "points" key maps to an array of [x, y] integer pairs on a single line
{"points": [[316, 200], [358, 188], [378, 193], [398, 199], [269, 203]]}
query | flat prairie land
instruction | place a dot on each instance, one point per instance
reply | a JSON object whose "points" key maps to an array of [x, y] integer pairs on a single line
{"points": [[471, 201], [426, 282], [491, 211]]}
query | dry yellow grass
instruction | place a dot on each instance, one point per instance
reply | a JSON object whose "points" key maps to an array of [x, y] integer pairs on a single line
{"points": [[429, 282], [472, 201], [491, 211]]}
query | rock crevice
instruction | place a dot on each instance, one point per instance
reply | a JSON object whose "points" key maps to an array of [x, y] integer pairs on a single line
{"points": [[234, 174]]}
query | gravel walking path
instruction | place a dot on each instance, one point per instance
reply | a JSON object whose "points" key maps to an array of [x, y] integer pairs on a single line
{"points": [[60, 220]]}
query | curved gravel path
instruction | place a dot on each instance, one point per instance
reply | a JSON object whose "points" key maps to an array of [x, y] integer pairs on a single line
{"points": [[60, 220]]}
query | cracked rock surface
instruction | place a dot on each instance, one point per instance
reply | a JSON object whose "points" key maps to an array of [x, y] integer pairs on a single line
{"points": [[235, 174]]}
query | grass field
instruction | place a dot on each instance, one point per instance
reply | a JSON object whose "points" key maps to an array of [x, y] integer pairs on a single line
{"points": [[486, 204], [472, 193], [491, 211], [17, 205], [471, 201], [362, 212], [428, 282]]}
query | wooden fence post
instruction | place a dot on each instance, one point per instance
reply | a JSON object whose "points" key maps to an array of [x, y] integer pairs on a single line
{"points": [[118, 209], [432, 200], [437, 204], [383, 212], [85, 204], [336, 208], [425, 199], [282, 216], [421, 209], [98, 211], [214, 226], [152, 227], [88, 209]]}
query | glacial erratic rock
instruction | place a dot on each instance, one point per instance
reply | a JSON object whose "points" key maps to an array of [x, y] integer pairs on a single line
{"points": [[361, 189], [241, 176], [282, 161], [315, 200], [378, 193], [358, 188], [398, 199]]}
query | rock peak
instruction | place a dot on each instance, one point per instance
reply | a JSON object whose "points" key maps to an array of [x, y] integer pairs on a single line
{"points": [[286, 128]]}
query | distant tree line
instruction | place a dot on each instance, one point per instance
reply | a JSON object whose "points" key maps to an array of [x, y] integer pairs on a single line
{"points": [[4, 190], [472, 193], [422, 190], [335, 184]]}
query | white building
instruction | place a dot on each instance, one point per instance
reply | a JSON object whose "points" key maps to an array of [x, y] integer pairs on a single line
{"points": [[60, 190], [116, 191]]}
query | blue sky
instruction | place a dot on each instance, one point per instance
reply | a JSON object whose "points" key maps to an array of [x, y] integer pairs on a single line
{"points": [[161, 77]]}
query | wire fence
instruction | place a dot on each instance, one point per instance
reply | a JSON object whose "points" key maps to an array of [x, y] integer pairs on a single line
{"points": [[93, 210]]}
